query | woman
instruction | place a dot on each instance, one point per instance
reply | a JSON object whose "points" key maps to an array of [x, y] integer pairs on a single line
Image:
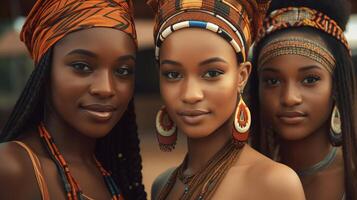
{"points": [[307, 95], [72, 133], [202, 51]]}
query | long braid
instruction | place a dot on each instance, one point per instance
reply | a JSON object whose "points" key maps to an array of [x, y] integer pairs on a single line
{"points": [[28, 108], [119, 152]]}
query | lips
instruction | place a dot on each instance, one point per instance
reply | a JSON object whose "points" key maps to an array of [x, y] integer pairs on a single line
{"points": [[192, 117], [99, 112], [292, 117]]}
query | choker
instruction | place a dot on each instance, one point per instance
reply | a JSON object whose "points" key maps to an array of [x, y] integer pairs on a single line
{"points": [[323, 164]]}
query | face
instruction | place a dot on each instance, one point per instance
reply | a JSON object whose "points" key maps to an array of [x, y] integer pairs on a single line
{"points": [[200, 81], [92, 79], [295, 95]]}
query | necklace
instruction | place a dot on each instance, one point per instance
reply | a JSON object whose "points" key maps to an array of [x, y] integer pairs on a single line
{"points": [[324, 163], [71, 187], [205, 181]]}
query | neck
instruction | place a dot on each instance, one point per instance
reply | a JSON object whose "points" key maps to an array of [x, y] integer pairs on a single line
{"points": [[302, 154], [201, 150], [73, 145]]}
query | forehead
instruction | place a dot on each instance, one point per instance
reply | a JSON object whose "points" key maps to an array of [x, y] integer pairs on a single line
{"points": [[195, 43], [97, 39]]}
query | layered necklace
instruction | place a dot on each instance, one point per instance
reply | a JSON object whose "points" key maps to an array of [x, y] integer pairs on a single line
{"points": [[73, 191], [204, 182], [321, 165]]}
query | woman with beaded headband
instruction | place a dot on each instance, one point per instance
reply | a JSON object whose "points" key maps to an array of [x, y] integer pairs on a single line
{"points": [[72, 133], [307, 95], [201, 50]]}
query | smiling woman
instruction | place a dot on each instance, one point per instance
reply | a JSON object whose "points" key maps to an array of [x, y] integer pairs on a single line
{"points": [[307, 95], [72, 133], [201, 50]]}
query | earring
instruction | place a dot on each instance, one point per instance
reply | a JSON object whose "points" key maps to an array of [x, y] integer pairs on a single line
{"points": [[335, 135], [166, 131], [242, 122]]}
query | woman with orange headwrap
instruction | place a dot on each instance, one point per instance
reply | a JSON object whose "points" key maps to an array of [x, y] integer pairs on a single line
{"points": [[201, 49], [72, 133]]}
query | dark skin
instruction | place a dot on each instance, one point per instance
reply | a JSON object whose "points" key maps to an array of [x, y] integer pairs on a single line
{"points": [[91, 86], [205, 76], [296, 98]]}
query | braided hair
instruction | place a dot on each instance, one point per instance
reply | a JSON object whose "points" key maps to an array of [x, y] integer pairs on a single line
{"points": [[344, 85], [118, 151]]}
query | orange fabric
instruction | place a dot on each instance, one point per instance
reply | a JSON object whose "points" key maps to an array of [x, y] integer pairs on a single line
{"points": [[51, 20], [38, 171]]}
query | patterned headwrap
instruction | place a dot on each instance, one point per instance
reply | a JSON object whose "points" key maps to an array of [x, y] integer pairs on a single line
{"points": [[237, 21], [291, 17], [51, 20]]}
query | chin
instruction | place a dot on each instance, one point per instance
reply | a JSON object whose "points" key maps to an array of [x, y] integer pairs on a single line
{"points": [[196, 132], [96, 131], [293, 133]]}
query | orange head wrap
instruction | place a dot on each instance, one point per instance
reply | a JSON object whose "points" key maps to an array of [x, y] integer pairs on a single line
{"points": [[237, 21], [51, 20]]}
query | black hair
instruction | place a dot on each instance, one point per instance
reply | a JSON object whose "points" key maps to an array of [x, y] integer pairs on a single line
{"points": [[344, 85], [119, 151]]}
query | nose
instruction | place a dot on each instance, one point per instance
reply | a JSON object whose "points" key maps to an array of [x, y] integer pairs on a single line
{"points": [[291, 95], [192, 91], [102, 85]]}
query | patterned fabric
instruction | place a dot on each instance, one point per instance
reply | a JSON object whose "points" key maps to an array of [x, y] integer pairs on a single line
{"points": [[51, 20], [297, 46], [236, 21], [301, 17]]}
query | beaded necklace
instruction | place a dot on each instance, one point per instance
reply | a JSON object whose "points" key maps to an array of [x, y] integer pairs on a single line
{"points": [[73, 191], [203, 183]]}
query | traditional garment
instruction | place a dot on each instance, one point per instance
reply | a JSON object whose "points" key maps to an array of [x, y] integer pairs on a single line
{"points": [[51, 20], [236, 21], [293, 17]]}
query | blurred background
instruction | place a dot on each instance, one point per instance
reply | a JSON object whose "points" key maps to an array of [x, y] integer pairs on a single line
{"points": [[15, 67]]}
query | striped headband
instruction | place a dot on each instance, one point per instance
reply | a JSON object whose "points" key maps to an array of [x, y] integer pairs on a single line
{"points": [[291, 17], [237, 22], [51, 20], [297, 46]]}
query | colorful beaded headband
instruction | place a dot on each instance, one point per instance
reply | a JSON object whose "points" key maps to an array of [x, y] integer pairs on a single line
{"points": [[236, 21], [238, 47], [297, 46], [302, 17]]}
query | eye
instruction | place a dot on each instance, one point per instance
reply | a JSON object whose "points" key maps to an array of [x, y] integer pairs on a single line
{"points": [[123, 71], [172, 75], [212, 74], [81, 67], [272, 81], [311, 79]]}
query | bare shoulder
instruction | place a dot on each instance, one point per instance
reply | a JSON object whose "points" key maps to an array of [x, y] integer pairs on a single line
{"points": [[159, 182], [16, 172], [276, 181]]}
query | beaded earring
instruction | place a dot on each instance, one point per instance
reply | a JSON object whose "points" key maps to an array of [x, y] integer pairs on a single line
{"points": [[166, 130], [335, 135], [242, 122]]}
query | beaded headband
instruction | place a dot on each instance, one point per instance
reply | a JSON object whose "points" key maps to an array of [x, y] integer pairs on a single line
{"points": [[236, 21], [297, 46], [302, 17]]}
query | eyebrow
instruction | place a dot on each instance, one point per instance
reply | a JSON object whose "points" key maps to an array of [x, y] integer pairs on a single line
{"points": [[205, 62], [93, 55], [83, 52], [305, 68], [211, 60]]}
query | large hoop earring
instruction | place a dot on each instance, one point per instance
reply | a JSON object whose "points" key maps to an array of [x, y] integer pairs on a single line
{"points": [[166, 130], [335, 135], [242, 122]]}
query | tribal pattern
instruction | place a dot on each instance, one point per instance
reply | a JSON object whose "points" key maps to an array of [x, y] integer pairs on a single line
{"points": [[50, 20], [302, 17]]}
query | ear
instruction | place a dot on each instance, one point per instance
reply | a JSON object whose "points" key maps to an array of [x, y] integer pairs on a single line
{"points": [[244, 70]]}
